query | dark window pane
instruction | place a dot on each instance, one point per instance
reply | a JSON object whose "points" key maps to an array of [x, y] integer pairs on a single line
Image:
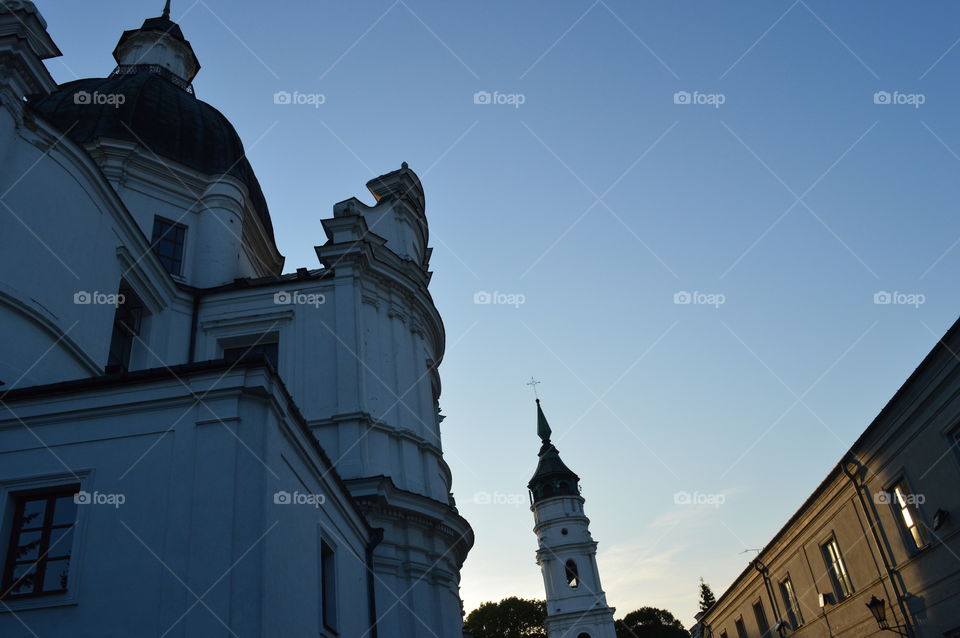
{"points": [[328, 586], [61, 542], [167, 243], [23, 580], [33, 511], [64, 511], [126, 327], [268, 350], [55, 576], [28, 546]]}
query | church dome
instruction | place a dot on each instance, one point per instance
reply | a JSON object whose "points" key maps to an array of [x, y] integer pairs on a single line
{"points": [[159, 113]]}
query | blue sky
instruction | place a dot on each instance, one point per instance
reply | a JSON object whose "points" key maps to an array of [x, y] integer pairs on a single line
{"points": [[594, 203]]}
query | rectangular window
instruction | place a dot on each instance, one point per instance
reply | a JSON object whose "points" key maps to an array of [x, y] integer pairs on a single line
{"points": [[790, 603], [126, 328], [41, 540], [741, 628], [328, 586], [268, 350], [167, 243], [837, 569], [761, 617], [905, 506]]}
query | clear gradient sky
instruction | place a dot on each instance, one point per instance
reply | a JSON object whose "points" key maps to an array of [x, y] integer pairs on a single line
{"points": [[596, 201]]}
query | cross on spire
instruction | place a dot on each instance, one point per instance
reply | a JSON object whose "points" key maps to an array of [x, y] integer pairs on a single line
{"points": [[534, 383]]}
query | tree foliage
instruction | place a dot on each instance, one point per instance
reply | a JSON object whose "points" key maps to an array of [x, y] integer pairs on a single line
{"points": [[525, 618], [707, 599], [510, 618], [650, 622]]}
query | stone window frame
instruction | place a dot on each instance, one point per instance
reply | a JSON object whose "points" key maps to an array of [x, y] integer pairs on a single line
{"points": [[12, 485]]}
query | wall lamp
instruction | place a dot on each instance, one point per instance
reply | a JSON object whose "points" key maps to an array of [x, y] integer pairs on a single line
{"points": [[878, 607]]}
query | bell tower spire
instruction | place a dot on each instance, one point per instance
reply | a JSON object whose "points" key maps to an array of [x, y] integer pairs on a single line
{"points": [[567, 554]]}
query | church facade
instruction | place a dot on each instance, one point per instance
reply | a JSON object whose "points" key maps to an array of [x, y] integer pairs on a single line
{"points": [[193, 442]]}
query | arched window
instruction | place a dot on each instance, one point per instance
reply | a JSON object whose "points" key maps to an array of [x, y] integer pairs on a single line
{"points": [[583, 634], [573, 577]]}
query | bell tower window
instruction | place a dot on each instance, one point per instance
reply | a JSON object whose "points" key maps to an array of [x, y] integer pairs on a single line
{"points": [[573, 576]]}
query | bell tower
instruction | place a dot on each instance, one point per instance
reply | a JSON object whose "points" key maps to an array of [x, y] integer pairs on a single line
{"points": [[567, 554]]}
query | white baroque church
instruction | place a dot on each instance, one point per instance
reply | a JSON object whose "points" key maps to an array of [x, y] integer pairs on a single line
{"points": [[192, 441]]}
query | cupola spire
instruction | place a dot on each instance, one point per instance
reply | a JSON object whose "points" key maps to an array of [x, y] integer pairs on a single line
{"points": [[543, 428], [552, 477], [166, 10]]}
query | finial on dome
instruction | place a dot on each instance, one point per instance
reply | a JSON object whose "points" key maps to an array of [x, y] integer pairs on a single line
{"points": [[404, 165], [166, 10]]}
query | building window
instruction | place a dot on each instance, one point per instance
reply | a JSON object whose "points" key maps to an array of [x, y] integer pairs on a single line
{"points": [[761, 617], [41, 539], [741, 628], [268, 350], [126, 328], [167, 243], [837, 569], [790, 603], [904, 503], [573, 576], [723, 634], [328, 586], [252, 345]]}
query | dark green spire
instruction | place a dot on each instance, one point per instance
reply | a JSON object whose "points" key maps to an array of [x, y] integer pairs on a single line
{"points": [[166, 10], [552, 477], [543, 428]]}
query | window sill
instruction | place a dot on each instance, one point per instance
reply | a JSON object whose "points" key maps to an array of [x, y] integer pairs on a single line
{"points": [[37, 602]]}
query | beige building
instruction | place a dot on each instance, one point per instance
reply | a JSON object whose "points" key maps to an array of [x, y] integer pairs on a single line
{"points": [[882, 527]]}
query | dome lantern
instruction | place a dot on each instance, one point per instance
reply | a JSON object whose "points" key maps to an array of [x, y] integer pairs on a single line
{"points": [[160, 46]]}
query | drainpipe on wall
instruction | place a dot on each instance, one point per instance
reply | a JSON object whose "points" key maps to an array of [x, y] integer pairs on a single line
{"points": [[765, 574], [892, 574], [376, 536]]}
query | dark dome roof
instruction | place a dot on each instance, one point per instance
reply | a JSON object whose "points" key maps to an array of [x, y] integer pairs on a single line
{"points": [[156, 113], [552, 477]]}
